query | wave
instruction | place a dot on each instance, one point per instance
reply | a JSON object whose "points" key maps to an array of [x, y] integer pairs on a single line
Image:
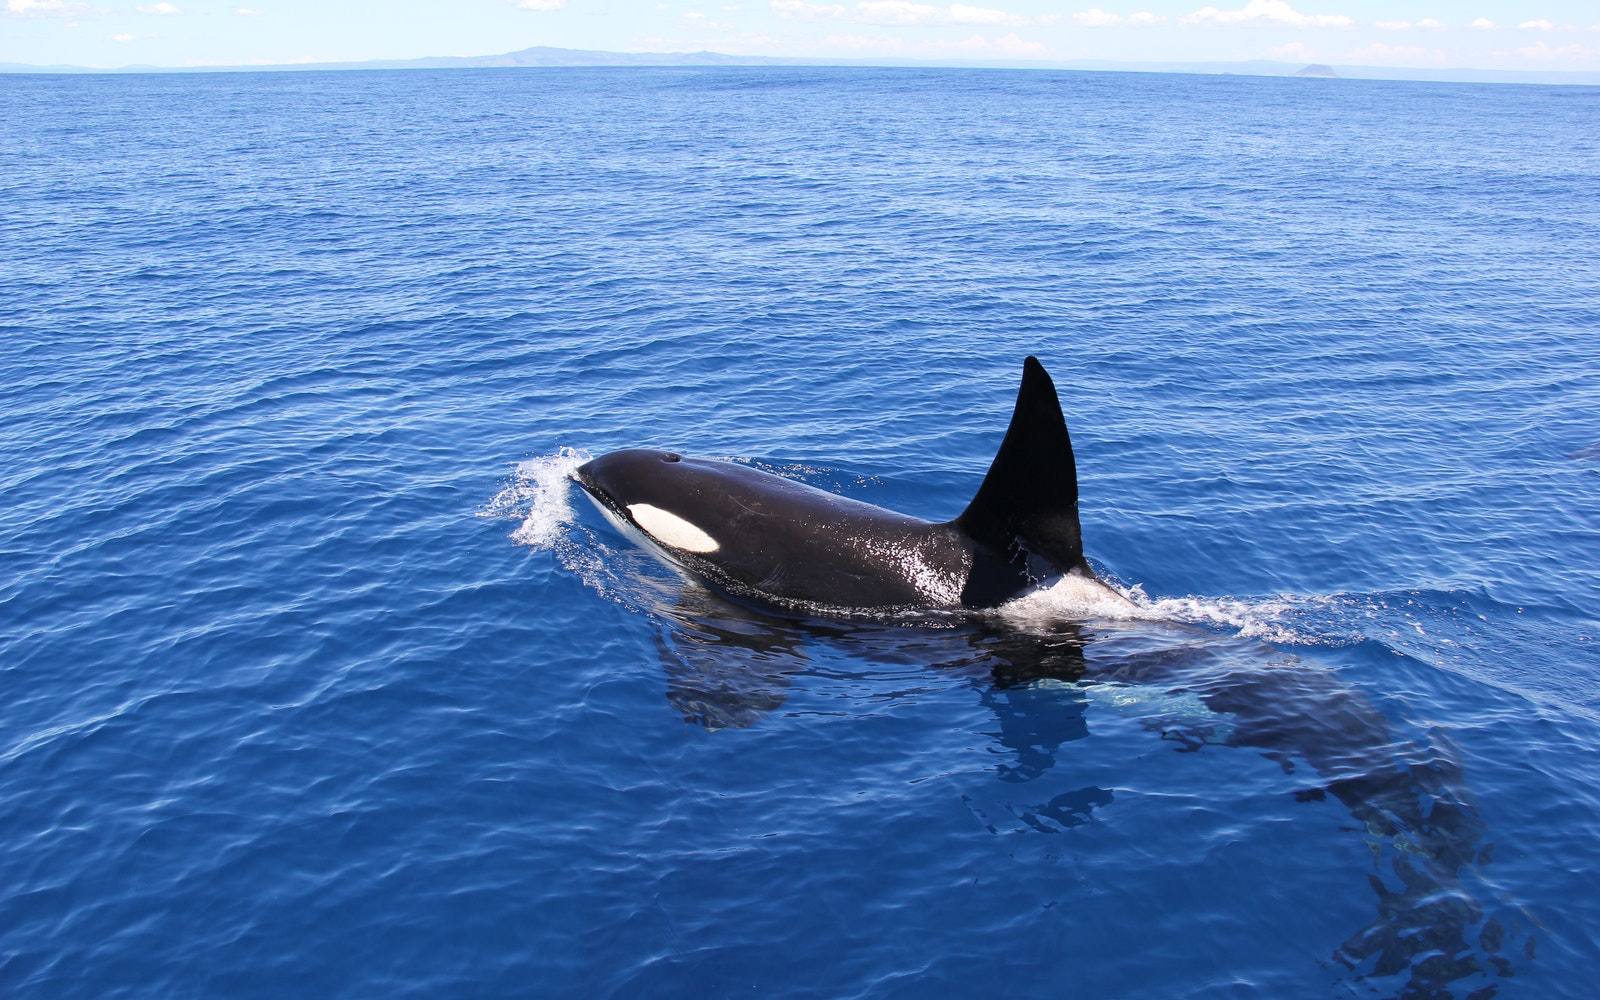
{"points": [[1279, 619], [539, 497]]}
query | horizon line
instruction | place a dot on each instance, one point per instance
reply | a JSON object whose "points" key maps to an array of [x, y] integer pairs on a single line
{"points": [[552, 57]]}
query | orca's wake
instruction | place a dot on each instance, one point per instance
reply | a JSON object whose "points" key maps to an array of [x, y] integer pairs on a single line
{"points": [[1437, 932], [1201, 672]]}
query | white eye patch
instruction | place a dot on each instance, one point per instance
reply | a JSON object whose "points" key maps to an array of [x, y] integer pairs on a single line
{"points": [[671, 530]]}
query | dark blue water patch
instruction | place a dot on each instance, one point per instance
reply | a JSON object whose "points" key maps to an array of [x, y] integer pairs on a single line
{"points": [[285, 714]]}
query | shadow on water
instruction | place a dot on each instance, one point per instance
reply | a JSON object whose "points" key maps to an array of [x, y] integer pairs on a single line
{"points": [[728, 665]]}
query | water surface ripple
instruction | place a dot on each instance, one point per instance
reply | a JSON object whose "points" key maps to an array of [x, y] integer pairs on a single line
{"points": [[289, 359]]}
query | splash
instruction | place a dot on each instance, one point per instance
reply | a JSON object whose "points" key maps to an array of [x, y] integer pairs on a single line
{"points": [[1278, 619], [1070, 598], [539, 496], [1274, 619]]}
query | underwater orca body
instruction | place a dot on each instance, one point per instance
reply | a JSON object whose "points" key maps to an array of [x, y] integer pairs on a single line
{"points": [[774, 540]]}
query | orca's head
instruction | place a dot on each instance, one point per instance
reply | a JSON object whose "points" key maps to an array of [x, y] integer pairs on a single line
{"points": [[658, 492]]}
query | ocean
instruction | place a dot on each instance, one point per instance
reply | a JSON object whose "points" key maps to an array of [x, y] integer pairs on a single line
{"points": [[321, 679]]}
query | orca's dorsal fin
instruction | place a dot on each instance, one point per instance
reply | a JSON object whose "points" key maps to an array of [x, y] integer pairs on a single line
{"points": [[1029, 499]]}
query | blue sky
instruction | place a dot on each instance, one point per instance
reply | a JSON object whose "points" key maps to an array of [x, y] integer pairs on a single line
{"points": [[1480, 34]]}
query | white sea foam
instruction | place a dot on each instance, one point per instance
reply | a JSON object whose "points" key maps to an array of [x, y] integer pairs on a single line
{"points": [[539, 495], [539, 498], [1070, 598], [1269, 618], [1277, 619]]}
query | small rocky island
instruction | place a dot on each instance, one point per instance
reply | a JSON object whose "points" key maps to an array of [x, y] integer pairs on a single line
{"points": [[1318, 69]]}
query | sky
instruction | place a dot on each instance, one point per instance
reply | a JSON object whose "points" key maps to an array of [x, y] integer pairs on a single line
{"points": [[1475, 34]]}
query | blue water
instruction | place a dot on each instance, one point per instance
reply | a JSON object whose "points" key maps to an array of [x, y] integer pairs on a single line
{"points": [[320, 681]]}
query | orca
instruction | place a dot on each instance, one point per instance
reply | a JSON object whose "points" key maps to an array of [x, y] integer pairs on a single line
{"points": [[775, 541]]}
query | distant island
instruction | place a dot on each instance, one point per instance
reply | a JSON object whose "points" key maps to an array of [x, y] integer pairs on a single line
{"points": [[547, 56]]}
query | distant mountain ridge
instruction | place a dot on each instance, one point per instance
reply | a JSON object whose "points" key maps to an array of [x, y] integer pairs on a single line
{"points": [[538, 55], [547, 56], [544, 55]]}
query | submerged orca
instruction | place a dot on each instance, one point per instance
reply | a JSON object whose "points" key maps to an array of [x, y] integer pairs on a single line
{"points": [[774, 540]]}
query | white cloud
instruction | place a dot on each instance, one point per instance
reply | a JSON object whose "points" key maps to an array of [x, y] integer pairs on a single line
{"points": [[1429, 24], [1540, 25], [1381, 54], [899, 12], [696, 19], [247, 12], [963, 14], [896, 12], [1294, 52], [1565, 53], [1482, 24], [1267, 14], [539, 4], [159, 8], [124, 37], [977, 43], [43, 8], [862, 42], [1011, 43], [799, 10], [744, 40], [1094, 17], [1015, 45]]}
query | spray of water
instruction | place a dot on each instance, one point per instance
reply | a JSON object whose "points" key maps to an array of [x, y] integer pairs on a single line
{"points": [[1279, 620], [539, 498]]}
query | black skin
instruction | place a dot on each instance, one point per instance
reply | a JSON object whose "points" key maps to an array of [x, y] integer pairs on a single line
{"points": [[793, 545], [800, 548]]}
